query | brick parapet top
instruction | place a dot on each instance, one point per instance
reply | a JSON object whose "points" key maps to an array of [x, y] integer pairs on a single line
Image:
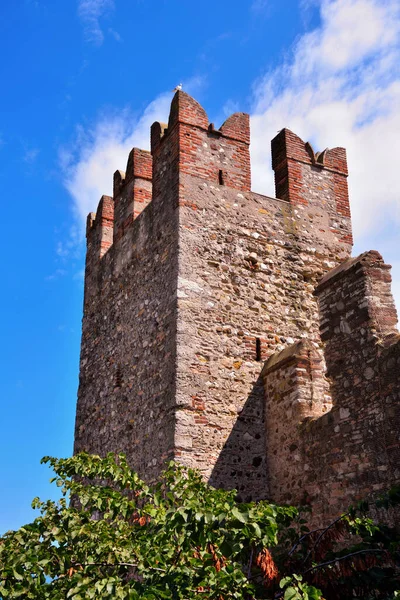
{"points": [[287, 146], [288, 355], [186, 110], [139, 165], [372, 258], [90, 220], [103, 216]]}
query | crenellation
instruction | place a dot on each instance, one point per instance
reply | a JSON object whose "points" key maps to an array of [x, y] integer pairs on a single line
{"points": [[237, 127], [132, 190], [140, 165], [355, 445], [306, 178], [230, 330], [99, 229], [157, 133]]}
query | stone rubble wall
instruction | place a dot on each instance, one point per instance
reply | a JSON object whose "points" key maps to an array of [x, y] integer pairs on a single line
{"points": [[248, 266], [128, 351], [295, 390], [353, 450]]}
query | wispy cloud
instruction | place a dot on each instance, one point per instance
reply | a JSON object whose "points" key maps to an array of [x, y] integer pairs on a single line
{"points": [[31, 155], [90, 12], [342, 88], [56, 275], [259, 6], [117, 37], [68, 246], [101, 150]]}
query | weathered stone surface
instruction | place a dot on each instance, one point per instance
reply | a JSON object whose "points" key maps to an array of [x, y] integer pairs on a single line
{"points": [[188, 294], [352, 450]]}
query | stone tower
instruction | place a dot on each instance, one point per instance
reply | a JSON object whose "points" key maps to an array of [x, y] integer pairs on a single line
{"points": [[201, 332]]}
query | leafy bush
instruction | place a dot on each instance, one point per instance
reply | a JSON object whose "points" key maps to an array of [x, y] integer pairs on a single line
{"points": [[113, 536]]}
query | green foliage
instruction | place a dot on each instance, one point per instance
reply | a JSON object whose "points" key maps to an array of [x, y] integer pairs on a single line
{"points": [[295, 588], [351, 558], [119, 538], [112, 536]]}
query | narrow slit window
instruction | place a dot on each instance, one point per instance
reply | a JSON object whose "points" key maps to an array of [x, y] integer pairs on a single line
{"points": [[221, 177], [118, 377], [258, 349]]}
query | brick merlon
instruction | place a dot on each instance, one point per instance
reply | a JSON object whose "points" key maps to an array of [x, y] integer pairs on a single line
{"points": [[185, 109], [289, 146], [139, 165]]}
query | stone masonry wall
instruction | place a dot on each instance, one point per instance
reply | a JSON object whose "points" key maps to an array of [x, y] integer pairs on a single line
{"points": [[295, 390], [353, 450], [248, 265], [248, 268], [128, 352]]}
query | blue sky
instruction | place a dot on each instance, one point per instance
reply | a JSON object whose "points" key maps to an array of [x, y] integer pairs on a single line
{"points": [[82, 82]]}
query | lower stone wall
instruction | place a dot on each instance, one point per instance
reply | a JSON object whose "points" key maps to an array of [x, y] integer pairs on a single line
{"points": [[295, 390], [126, 398], [353, 450]]}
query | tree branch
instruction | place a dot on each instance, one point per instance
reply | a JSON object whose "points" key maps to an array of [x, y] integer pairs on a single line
{"points": [[121, 564], [321, 535], [340, 558]]}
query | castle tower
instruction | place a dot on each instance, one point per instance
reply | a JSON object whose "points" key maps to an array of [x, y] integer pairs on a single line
{"points": [[192, 281]]}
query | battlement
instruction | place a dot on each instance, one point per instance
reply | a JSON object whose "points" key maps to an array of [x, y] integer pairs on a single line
{"points": [[191, 146], [192, 281]]}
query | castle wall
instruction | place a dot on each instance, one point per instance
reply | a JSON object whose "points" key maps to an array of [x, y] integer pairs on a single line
{"points": [[295, 390], [132, 190], [248, 265], [353, 450], [128, 352]]}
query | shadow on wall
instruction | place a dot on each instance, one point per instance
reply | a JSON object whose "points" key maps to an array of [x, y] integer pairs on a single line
{"points": [[241, 464]]}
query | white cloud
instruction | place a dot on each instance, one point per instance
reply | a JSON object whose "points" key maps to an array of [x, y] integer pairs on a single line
{"points": [[258, 6], [115, 34], [100, 151], [56, 275], [90, 13], [69, 246], [342, 88]]}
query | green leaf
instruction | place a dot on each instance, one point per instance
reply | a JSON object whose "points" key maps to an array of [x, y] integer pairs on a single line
{"points": [[257, 529], [291, 594], [17, 575], [284, 581], [242, 517]]}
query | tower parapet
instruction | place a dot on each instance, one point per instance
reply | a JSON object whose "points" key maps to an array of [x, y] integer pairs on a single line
{"points": [[307, 178], [132, 190], [219, 156]]}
